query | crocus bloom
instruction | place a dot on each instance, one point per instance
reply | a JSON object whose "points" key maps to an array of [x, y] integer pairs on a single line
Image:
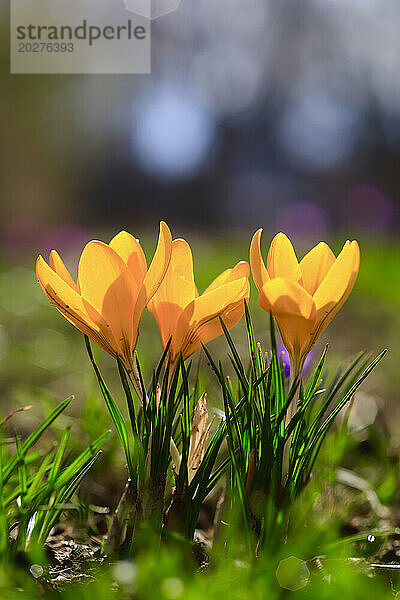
{"points": [[190, 319], [112, 291], [303, 297]]}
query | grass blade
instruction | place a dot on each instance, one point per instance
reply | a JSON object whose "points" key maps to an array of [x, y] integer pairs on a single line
{"points": [[113, 409], [33, 437]]}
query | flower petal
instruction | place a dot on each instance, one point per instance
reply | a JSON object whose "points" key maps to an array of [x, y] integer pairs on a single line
{"points": [[160, 262], [175, 292], [56, 263], [294, 310], [281, 259], [240, 270], [178, 284], [258, 269], [199, 322], [130, 250], [108, 286], [296, 332], [71, 306], [315, 265], [285, 297], [337, 284], [155, 274]]}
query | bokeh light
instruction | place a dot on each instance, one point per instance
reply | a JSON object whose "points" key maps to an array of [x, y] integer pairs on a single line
{"points": [[172, 133]]}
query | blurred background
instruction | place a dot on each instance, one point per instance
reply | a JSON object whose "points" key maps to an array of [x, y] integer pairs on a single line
{"points": [[284, 114], [278, 114]]}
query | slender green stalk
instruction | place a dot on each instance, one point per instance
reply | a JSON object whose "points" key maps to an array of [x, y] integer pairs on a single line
{"points": [[296, 370]]}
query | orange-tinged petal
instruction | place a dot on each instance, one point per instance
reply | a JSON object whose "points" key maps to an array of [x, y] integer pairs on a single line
{"points": [[337, 285], [178, 285], [281, 259], [286, 297], [56, 263], [315, 265], [154, 277], [337, 281], [130, 250], [108, 286], [211, 329], [258, 269], [294, 310], [176, 290], [160, 262], [296, 332], [199, 322], [166, 316], [240, 270], [71, 306]]}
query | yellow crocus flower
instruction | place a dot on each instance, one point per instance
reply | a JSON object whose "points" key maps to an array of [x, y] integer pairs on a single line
{"points": [[113, 288], [190, 319], [303, 297]]}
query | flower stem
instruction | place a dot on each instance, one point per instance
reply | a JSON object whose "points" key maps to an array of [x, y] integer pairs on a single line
{"points": [[295, 376], [134, 378]]}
